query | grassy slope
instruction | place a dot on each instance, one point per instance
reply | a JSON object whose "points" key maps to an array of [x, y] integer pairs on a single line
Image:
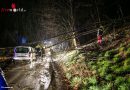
{"points": [[108, 69]]}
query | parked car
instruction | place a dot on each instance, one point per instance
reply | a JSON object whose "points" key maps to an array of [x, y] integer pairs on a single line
{"points": [[24, 53]]}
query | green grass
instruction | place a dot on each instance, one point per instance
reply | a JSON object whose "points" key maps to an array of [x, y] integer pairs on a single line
{"points": [[119, 80], [112, 69]]}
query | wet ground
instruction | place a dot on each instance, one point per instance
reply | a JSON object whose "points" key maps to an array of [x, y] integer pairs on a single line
{"points": [[38, 75], [58, 81]]}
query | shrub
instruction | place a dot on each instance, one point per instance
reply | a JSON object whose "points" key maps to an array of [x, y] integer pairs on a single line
{"points": [[90, 64], [92, 80], [126, 68], [126, 65], [85, 81], [84, 84], [117, 58], [127, 62], [75, 81], [114, 67], [125, 54], [123, 86], [94, 88], [119, 80], [105, 63], [128, 52], [121, 49], [108, 86], [119, 70], [109, 77], [101, 54], [128, 79], [103, 71], [110, 54], [94, 67]]}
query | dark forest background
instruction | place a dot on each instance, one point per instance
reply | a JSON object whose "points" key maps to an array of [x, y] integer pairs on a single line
{"points": [[47, 18]]}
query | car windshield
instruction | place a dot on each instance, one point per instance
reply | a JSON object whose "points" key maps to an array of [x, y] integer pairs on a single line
{"points": [[22, 50]]}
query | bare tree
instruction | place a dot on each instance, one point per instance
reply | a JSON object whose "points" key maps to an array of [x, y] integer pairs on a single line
{"points": [[67, 20]]}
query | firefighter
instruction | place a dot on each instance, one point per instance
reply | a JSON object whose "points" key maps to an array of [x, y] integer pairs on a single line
{"points": [[99, 36]]}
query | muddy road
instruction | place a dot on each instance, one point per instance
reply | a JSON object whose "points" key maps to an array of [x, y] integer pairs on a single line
{"points": [[38, 75]]}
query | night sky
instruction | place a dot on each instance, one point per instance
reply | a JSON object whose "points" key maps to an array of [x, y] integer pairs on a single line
{"points": [[12, 25]]}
